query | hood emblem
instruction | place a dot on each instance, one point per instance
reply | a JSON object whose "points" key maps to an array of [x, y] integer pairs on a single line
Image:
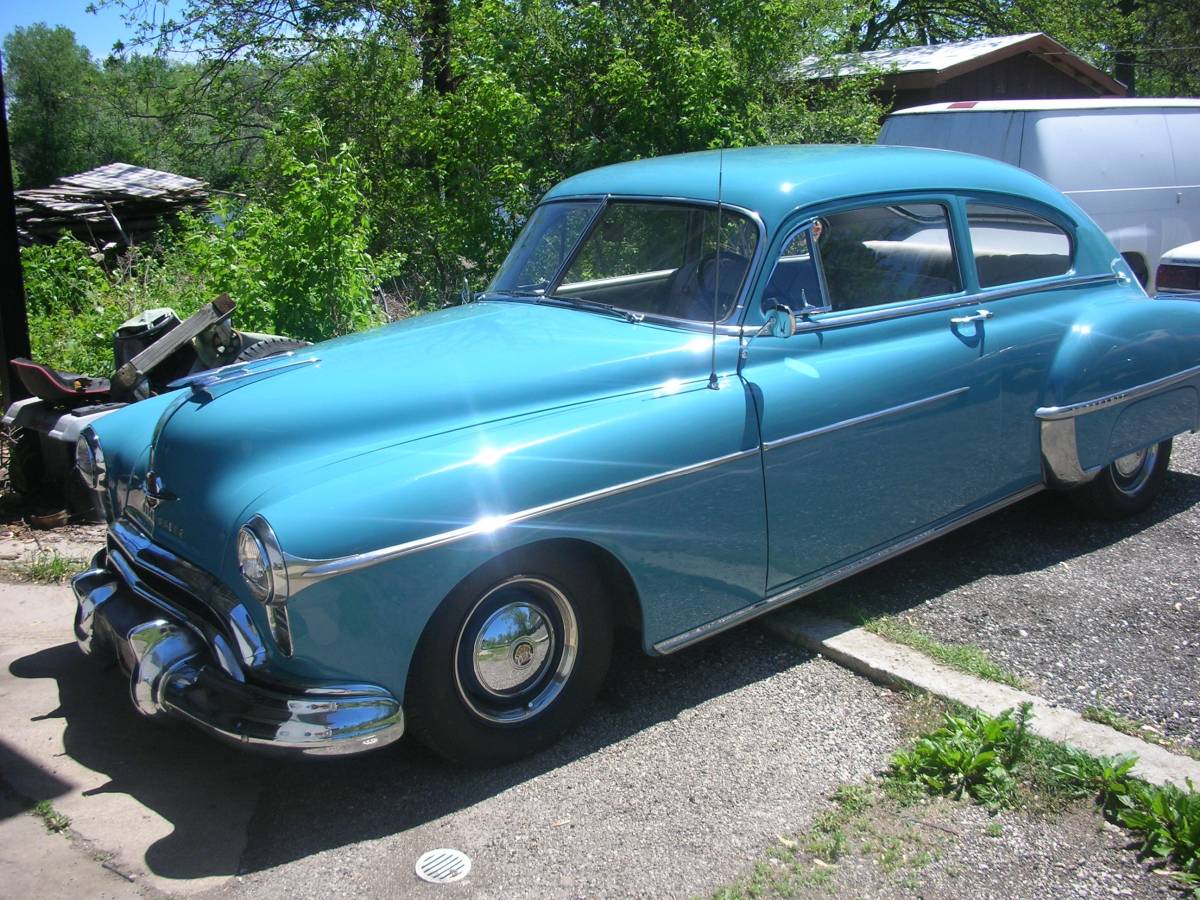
{"points": [[156, 490]]}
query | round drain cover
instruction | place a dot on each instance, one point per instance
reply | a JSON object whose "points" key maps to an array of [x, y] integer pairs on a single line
{"points": [[443, 866]]}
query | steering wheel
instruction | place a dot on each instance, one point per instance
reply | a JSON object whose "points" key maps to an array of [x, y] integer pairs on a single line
{"points": [[717, 275]]}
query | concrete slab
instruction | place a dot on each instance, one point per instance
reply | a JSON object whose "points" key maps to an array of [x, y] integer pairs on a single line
{"points": [[890, 663], [171, 806], [36, 863]]}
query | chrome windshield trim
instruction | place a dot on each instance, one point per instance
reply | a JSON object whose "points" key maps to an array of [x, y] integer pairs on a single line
{"points": [[953, 301], [863, 419], [733, 321], [1050, 413], [302, 570], [782, 598]]}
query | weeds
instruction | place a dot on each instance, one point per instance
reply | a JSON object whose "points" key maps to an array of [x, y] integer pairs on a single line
{"points": [[989, 758], [1106, 716], [853, 827], [51, 567], [1168, 822], [964, 657], [55, 822], [973, 754]]}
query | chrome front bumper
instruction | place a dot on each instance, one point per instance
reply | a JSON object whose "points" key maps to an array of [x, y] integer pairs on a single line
{"points": [[172, 672]]}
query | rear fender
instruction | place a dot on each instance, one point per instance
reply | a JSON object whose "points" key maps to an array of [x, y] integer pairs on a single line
{"points": [[1126, 376]]}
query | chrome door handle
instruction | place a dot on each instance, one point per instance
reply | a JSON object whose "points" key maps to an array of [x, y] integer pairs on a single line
{"points": [[978, 316]]}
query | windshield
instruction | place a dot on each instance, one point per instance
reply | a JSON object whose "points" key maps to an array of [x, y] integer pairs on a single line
{"points": [[663, 259]]}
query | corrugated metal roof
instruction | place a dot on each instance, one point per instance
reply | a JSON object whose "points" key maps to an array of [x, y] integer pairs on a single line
{"points": [[930, 58], [961, 106]]}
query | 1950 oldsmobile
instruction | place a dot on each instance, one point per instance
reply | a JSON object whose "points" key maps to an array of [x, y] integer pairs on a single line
{"points": [[700, 387]]}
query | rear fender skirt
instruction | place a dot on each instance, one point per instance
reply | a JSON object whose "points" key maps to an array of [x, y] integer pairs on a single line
{"points": [[1079, 440]]}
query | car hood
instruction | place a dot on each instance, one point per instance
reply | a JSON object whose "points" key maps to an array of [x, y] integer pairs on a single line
{"points": [[215, 450]]}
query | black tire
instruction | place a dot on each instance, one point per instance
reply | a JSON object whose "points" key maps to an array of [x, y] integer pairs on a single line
{"points": [[26, 469], [269, 347], [1127, 486], [459, 703]]}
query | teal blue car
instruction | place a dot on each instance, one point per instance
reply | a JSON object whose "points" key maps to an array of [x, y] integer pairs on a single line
{"points": [[700, 387]]}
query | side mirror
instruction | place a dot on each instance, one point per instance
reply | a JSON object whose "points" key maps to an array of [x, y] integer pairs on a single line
{"points": [[781, 322]]}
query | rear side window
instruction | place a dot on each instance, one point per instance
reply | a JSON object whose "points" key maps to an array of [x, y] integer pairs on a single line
{"points": [[1013, 245], [887, 254]]}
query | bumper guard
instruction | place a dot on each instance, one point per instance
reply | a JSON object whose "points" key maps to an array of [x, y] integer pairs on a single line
{"points": [[171, 673]]}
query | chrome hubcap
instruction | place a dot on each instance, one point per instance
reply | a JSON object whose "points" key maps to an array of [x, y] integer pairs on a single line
{"points": [[1132, 471], [512, 647], [516, 650]]}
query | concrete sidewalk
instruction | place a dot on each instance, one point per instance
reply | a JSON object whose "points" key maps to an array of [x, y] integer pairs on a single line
{"points": [[83, 749], [886, 662]]}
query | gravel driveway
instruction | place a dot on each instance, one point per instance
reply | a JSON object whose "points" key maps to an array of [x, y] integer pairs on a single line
{"points": [[1087, 612], [685, 771]]}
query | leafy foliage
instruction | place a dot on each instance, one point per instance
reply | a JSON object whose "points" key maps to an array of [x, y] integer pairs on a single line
{"points": [[991, 758], [52, 128], [972, 754], [1168, 821], [298, 265]]}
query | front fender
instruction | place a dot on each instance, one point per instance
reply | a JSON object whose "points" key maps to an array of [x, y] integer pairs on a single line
{"points": [[1127, 375], [668, 482]]}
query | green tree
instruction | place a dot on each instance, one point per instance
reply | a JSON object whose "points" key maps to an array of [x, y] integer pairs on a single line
{"points": [[49, 79]]}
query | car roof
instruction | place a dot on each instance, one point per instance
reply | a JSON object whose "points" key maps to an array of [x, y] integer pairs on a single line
{"points": [[1185, 253], [966, 106], [775, 181]]}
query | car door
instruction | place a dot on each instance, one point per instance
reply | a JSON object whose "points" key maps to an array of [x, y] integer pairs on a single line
{"points": [[880, 416]]}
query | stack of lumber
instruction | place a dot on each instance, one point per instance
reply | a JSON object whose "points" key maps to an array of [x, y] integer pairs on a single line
{"points": [[114, 204]]}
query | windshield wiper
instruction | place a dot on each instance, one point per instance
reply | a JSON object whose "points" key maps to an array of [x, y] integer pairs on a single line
{"points": [[585, 303]]}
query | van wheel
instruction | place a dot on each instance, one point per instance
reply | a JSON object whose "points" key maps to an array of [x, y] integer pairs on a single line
{"points": [[511, 659], [1127, 485]]}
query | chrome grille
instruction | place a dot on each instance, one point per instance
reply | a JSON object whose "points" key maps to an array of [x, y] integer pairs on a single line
{"points": [[188, 593]]}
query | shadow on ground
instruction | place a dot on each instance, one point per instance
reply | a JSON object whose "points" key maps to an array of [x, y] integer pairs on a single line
{"points": [[1037, 533], [309, 806]]}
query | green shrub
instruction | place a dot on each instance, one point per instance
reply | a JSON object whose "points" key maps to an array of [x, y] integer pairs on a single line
{"points": [[972, 754], [1168, 822], [297, 266]]}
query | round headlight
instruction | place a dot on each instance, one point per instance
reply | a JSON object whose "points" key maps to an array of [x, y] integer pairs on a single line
{"points": [[255, 565], [89, 459]]}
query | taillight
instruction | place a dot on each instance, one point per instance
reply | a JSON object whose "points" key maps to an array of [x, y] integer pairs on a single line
{"points": [[1171, 277]]}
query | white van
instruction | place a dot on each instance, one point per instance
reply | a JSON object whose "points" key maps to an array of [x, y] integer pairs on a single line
{"points": [[1132, 164]]}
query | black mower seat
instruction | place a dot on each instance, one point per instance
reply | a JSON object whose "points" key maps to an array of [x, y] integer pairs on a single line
{"points": [[59, 387]]}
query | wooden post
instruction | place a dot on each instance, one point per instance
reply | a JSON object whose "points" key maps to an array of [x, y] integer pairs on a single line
{"points": [[14, 326]]}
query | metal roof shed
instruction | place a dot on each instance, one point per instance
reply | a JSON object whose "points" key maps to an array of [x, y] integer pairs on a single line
{"points": [[1030, 66]]}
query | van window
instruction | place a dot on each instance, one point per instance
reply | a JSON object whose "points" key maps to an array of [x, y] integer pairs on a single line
{"points": [[1012, 245], [887, 254]]}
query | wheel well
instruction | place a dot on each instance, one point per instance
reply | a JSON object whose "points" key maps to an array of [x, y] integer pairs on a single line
{"points": [[1141, 268], [626, 605]]}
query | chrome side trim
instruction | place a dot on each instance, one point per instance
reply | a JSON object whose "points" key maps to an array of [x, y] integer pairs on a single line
{"points": [[1060, 454], [1051, 413], [766, 605], [954, 301], [867, 417], [313, 569]]}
